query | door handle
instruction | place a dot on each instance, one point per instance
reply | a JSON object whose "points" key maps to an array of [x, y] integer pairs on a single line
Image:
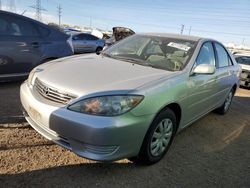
{"points": [[35, 44]]}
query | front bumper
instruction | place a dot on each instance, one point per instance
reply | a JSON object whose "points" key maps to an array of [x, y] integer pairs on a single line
{"points": [[93, 137]]}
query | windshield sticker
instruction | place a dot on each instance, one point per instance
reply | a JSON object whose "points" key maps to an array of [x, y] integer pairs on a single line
{"points": [[179, 46]]}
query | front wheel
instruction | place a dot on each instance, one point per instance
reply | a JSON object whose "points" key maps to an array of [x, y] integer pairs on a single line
{"points": [[225, 107], [158, 138]]}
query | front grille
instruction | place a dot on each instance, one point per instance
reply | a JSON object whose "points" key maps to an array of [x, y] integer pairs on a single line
{"points": [[51, 93]]}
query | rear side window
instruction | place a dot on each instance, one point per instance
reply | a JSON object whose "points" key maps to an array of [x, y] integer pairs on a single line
{"points": [[91, 37], [206, 55], [79, 37], [43, 31], [223, 57]]}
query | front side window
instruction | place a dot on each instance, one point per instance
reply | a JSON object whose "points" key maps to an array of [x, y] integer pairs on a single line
{"points": [[223, 58], [158, 52], [20, 27], [206, 55]]}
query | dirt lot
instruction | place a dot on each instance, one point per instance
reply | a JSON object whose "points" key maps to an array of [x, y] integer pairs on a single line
{"points": [[213, 152]]}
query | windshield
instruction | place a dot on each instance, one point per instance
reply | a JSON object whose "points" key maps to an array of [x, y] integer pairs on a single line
{"points": [[159, 52], [243, 60]]}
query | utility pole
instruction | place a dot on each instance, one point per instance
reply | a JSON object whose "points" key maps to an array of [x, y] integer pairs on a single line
{"points": [[182, 28], [38, 7], [11, 6], [190, 30], [24, 12], [59, 8]]}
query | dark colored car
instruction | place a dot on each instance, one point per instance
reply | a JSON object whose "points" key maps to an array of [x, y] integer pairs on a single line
{"points": [[26, 43]]}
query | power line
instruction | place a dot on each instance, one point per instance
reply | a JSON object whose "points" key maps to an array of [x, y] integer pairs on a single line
{"points": [[59, 8], [38, 7]]}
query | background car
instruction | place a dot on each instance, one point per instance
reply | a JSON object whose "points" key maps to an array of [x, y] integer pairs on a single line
{"points": [[26, 43], [244, 61], [119, 33], [85, 42], [130, 101]]}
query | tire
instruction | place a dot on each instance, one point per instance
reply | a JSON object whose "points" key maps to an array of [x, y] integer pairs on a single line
{"points": [[226, 105], [98, 49], [158, 138]]}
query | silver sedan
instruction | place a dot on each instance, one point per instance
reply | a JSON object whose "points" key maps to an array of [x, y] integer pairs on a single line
{"points": [[85, 42], [132, 99]]}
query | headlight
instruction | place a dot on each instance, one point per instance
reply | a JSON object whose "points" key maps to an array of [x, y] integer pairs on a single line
{"points": [[32, 73], [107, 105]]}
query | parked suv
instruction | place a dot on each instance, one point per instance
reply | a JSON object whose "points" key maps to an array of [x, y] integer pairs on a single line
{"points": [[26, 43]]}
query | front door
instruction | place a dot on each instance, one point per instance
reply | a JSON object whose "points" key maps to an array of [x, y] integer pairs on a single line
{"points": [[202, 87]]}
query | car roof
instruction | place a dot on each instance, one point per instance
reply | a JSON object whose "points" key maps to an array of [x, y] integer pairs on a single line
{"points": [[22, 17], [171, 35]]}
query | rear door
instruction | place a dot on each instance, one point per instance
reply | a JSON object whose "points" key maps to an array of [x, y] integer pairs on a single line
{"points": [[82, 43], [78, 43], [19, 45], [92, 42]]}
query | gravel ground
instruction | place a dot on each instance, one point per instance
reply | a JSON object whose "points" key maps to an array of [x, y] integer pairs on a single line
{"points": [[213, 152]]}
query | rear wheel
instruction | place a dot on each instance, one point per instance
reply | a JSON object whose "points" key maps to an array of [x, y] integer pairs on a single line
{"points": [[98, 49], [225, 107], [158, 138]]}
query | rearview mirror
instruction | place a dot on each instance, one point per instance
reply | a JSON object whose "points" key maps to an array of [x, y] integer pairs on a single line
{"points": [[204, 69]]}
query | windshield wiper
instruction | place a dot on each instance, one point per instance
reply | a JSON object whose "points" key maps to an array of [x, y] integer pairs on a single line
{"points": [[131, 60]]}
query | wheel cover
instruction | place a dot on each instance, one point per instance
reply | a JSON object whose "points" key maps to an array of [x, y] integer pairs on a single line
{"points": [[228, 101], [161, 137]]}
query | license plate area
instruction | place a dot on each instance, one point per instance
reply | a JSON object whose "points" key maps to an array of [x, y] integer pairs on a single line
{"points": [[34, 114]]}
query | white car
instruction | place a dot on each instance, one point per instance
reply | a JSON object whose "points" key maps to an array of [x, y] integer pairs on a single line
{"points": [[244, 61]]}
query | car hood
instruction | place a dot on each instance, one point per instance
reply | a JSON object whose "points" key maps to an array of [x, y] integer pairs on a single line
{"points": [[87, 74], [245, 67]]}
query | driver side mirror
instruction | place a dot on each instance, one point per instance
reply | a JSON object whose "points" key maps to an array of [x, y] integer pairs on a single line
{"points": [[204, 69]]}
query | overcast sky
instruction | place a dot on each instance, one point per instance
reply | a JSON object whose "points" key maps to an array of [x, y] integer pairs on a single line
{"points": [[224, 20]]}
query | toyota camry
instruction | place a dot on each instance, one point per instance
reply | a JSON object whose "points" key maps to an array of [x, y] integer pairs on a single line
{"points": [[132, 99]]}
